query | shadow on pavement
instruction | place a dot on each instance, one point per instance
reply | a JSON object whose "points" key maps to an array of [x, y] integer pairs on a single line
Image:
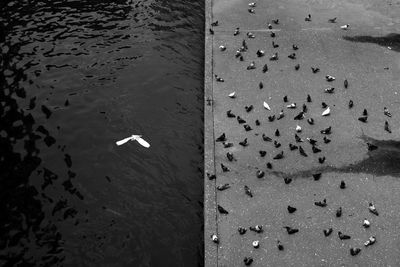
{"points": [[392, 40]]}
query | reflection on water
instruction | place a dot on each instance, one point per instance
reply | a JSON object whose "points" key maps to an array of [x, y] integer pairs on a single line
{"points": [[382, 160], [392, 40], [76, 76]]}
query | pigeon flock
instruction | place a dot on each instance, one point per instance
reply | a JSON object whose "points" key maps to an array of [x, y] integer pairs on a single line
{"points": [[300, 144]]}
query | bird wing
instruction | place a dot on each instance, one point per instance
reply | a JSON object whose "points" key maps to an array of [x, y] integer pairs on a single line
{"points": [[141, 141], [123, 141]]}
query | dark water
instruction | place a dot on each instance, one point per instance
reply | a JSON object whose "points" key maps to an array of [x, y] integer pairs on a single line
{"points": [[76, 76]]}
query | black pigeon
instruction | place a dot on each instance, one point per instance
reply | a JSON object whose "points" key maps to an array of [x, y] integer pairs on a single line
{"points": [[305, 108], [224, 168], [351, 104], [291, 230], [287, 180], [271, 118], [355, 251], [324, 105], [215, 23], [261, 85], [295, 47], [326, 140], [276, 21], [229, 114], [308, 18], [342, 185], [327, 130], [387, 128], [281, 115], [240, 120], [315, 70], [386, 112], [321, 203], [244, 142], [269, 165], [285, 99], [309, 99], [277, 133], [227, 145], [315, 149], [292, 56], [297, 67], [339, 212], [248, 261], [297, 138], [247, 127], [343, 236], [242, 230], [279, 155], [299, 116], [274, 56], [244, 45], [266, 138], [249, 108], [273, 34], [260, 174], [252, 11], [262, 153], [260, 53], [280, 246], [317, 176], [223, 187], [221, 138], [274, 45], [211, 31], [310, 121], [277, 144], [257, 123], [265, 68], [346, 84], [211, 176], [248, 191], [222, 210], [291, 209], [312, 141], [328, 232], [46, 111], [302, 152], [257, 228], [32, 103], [333, 20], [230, 157], [365, 112], [241, 58], [372, 147], [321, 160], [363, 119], [293, 147]]}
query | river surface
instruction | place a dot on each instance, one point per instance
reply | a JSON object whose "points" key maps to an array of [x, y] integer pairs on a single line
{"points": [[76, 76]]}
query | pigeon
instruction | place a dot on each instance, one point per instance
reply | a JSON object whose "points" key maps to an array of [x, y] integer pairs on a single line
{"points": [[371, 147], [281, 115], [221, 138], [257, 228], [211, 176], [328, 232], [261, 85], [230, 157], [222, 210], [311, 141], [285, 99], [324, 105], [308, 18], [326, 140], [250, 35], [269, 165], [309, 99], [339, 212], [248, 108], [240, 120], [279, 155], [218, 79], [271, 118], [302, 152], [329, 90], [373, 209], [287, 180], [315, 149], [266, 138], [330, 78], [262, 153], [248, 191], [260, 174], [248, 261], [317, 176], [280, 246], [326, 112], [274, 56], [343, 236], [386, 112], [333, 20], [297, 138], [229, 114], [291, 230], [211, 31], [327, 130], [232, 95], [227, 145], [365, 112], [346, 83], [292, 56], [260, 53], [321, 204], [277, 144], [314, 70], [295, 47], [351, 104], [214, 238], [387, 128], [292, 106], [310, 121], [321, 160], [274, 45], [256, 244], [222, 47], [215, 23], [293, 147], [244, 143], [355, 251], [224, 168], [252, 4], [370, 241], [223, 187], [252, 66], [265, 68], [366, 223], [46, 111], [342, 185], [257, 122], [277, 133], [291, 209], [298, 129], [251, 11], [269, 26], [297, 67], [273, 34], [363, 119], [299, 116], [242, 230], [345, 27], [247, 127], [275, 21], [305, 109], [236, 32]]}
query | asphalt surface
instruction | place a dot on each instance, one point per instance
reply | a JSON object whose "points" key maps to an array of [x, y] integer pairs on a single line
{"points": [[366, 55]]}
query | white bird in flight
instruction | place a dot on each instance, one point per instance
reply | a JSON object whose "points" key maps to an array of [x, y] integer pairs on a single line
{"points": [[134, 137]]}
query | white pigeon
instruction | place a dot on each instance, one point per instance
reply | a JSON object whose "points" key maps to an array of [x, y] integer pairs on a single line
{"points": [[266, 106], [326, 112], [137, 138], [232, 95], [345, 27]]}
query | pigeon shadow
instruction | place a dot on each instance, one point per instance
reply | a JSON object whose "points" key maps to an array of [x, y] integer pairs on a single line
{"points": [[383, 161], [392, 40]]}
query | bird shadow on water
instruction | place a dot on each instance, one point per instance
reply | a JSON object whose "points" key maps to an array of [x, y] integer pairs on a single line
{"points": [[392, 40], [382, 159]]}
